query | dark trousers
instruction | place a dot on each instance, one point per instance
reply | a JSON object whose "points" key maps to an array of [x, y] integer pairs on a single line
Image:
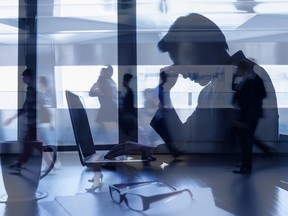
{"points": [[30, 135], [246, 144], [246, 139]]}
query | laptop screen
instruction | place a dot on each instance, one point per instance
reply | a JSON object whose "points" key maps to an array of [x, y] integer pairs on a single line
{"points": [[80, 124]]}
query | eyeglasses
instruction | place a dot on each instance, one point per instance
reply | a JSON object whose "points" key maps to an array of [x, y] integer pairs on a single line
{"points": [[139, 202]]}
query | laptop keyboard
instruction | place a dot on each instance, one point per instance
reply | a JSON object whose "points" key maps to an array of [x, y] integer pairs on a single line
{"points": [[96, 157]]}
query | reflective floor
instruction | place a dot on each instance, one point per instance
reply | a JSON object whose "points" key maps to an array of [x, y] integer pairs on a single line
{"points": [[264, 192]]}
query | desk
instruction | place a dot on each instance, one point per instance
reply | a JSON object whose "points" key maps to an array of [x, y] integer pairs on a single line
{"points": [[88, 204]]}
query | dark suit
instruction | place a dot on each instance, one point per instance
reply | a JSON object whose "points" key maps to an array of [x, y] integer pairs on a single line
{"points": [[213, 118], [248, 98]]}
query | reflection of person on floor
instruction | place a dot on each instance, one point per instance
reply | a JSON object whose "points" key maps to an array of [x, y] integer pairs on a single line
{"points": [[29, 129], [248, 99], [198, 50], [106, 90]]}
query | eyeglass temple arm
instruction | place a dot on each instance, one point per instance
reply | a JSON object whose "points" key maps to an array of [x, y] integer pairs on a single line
{"points": [[120, 186], [163, 196]]}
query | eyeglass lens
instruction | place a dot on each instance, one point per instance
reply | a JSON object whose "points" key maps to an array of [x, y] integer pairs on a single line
{"points": [[133, 201], [115, 195]]}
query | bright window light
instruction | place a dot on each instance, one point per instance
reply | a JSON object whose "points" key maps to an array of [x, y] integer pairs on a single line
{"points": [[79, 79], [88, 8], [8, 87], [8, 29], [279, 77], [9, 101], [9, 9], [272, 8]]}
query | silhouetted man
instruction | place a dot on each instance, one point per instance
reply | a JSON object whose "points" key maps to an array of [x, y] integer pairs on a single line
{"points": [[248, 99], [198, 50], [29, 130], [128, 121]]}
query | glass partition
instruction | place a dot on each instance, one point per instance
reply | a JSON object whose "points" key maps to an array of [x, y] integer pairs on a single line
{"points": [[76, 39], [8, 67]]}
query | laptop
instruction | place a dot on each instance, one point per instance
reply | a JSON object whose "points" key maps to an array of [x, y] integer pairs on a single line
{"points": [[84, 139]]}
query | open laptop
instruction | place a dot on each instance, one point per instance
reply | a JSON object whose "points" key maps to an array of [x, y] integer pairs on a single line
{"points": [[84, 140]]}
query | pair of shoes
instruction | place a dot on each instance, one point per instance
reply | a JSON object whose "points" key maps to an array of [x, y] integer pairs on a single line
{"points": [[177, 154], [51, 172], [15, 168], [57, 165], [174, 150], [242, 170], [97, 178], [97, 182]]}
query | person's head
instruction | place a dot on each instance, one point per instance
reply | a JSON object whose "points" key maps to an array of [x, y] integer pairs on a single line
{"points": [[27, 75], [194, 40], [43, 82], [127, 78], [196, 36], [107, 72]]}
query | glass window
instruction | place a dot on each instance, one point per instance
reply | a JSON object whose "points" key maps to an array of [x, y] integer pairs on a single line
{"points": [[76, 38], [69, 78], [8, 67]]}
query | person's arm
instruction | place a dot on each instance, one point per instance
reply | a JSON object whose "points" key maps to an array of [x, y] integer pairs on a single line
{"points": [[161, 96], [9, 120], [234, 83], [108, 88], [261, 89], [94, 90]]}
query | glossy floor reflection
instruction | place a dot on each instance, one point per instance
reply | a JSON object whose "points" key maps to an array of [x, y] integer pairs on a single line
{"points": [[264, 192]]}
